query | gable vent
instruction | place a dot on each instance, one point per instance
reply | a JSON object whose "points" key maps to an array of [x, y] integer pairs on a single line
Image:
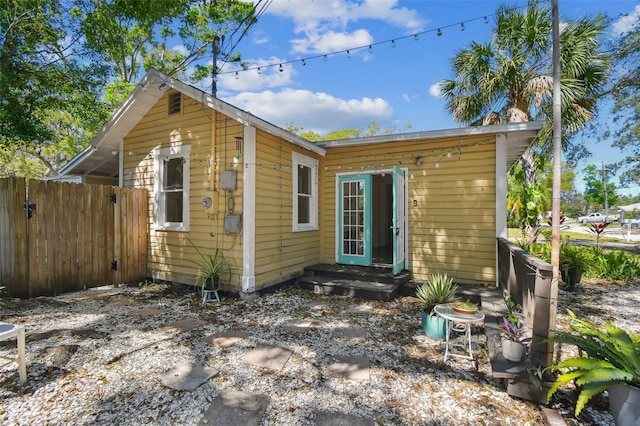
{"points": [[175, 103]]}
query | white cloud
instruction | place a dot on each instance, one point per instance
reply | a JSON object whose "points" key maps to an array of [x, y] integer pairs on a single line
{"points": [[260, 37], [435, 90], [324, 24], [627, 22], [408, 98], [331, 42], [321, 113], [180, 49], [341, 12]]}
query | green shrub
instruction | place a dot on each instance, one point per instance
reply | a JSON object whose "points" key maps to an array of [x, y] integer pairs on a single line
{"points": [[614, 265]]}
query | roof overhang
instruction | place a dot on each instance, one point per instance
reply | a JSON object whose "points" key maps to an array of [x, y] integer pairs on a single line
{"points": [[101, 157], [519, 136]]}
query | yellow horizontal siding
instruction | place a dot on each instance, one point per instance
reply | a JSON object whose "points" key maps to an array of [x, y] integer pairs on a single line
{"points": [[452, 228], [169, 251], [280, 252]]}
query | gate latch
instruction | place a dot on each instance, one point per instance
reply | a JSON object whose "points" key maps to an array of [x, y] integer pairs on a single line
{"points": [[30, 208]]}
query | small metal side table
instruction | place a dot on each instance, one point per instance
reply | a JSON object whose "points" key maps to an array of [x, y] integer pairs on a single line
{"points": [[8, 331], [446, 311]]}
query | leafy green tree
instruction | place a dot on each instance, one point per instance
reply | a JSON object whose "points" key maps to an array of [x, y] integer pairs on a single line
{"points": [[66, 65], [626, 96], [373, 129], [133, 37], [509, 78], [45, 74], [595, 193]]}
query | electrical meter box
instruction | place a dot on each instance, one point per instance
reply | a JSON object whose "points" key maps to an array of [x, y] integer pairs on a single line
{"points": [[232, 223], [228, 180]]}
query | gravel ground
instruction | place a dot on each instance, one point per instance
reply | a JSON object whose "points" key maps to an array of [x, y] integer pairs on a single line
{"points": [[94, 358]]}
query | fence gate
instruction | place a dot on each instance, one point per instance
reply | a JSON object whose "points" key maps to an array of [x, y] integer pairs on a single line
{"points": [[58, 237]]}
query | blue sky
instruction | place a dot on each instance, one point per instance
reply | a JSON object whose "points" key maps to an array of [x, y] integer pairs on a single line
{"points": [[393, 82]]}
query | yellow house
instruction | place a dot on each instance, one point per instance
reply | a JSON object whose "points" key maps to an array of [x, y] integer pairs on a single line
{"points": [[275, 203]]}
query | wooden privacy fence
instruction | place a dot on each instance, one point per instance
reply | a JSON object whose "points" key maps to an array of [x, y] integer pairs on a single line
{"points": [[58, 237]]}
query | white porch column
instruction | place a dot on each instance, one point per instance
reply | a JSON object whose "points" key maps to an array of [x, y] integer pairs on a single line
{"points": [[501, 193], [249, 212]]}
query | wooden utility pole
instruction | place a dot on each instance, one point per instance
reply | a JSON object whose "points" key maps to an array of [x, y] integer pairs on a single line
{"points": [[214, 70], [557, 146]]}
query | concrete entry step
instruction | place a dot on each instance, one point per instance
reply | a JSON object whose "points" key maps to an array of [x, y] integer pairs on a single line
{"points": [[353, 288], [235, 408]]}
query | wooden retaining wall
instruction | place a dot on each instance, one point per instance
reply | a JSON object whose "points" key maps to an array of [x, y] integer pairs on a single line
{"points": [[58, 237]]}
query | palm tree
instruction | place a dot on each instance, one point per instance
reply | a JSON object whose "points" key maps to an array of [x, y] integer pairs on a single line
{"points": [[511, 74], [510, 77]]}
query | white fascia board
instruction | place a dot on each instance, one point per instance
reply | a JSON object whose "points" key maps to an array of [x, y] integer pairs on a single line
{"points": [[531, 128]]}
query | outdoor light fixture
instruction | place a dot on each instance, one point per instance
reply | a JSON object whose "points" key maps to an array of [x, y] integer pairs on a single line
{"points": [[418, 161]]}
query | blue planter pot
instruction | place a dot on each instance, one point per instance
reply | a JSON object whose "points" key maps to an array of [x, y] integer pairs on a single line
{"points": [[434, 327]]}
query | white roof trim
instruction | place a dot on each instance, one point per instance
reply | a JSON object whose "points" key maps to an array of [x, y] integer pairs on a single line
{"points": [[531, 126]]}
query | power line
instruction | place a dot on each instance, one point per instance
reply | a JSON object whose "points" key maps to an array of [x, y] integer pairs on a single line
{"points": [[349, 51]]}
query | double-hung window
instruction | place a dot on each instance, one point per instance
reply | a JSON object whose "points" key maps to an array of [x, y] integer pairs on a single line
{"points": [[305, 193], [172, 188]]}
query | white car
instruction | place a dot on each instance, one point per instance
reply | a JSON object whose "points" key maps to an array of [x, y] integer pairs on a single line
{"points": [[597, 217]]}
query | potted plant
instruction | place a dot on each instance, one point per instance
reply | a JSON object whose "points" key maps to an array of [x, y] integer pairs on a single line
{"points": [[612, 363], [466, 307], [514, 310], [573, 262], [514, 342], [211, 268], [437, 290]]}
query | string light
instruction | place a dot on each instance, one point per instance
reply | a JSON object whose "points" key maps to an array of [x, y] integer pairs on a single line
{"points": [[280, 69], [392, 42]]}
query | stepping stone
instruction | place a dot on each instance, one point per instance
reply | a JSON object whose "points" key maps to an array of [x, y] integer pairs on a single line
{"points": [[317, 307], [271, 357], [187, 376], [121, 302], [147, 312], [296, 326], [360, 309], [226, 338], [350, 332], [235, 408], [350, 367], [184, 324], [326, 418]]}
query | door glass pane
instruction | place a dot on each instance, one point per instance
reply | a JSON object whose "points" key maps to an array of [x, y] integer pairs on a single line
{"points": [[353, 218]]}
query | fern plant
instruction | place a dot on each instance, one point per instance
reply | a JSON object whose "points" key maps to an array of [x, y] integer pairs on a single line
{"points": [[613, 358]]}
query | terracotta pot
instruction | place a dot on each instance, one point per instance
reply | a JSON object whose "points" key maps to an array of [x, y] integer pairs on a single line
{"points": [[624, 404]]}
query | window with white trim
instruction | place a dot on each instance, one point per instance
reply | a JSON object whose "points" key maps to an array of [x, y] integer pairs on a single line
{"points": [[305, 192], [172, 188]]}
